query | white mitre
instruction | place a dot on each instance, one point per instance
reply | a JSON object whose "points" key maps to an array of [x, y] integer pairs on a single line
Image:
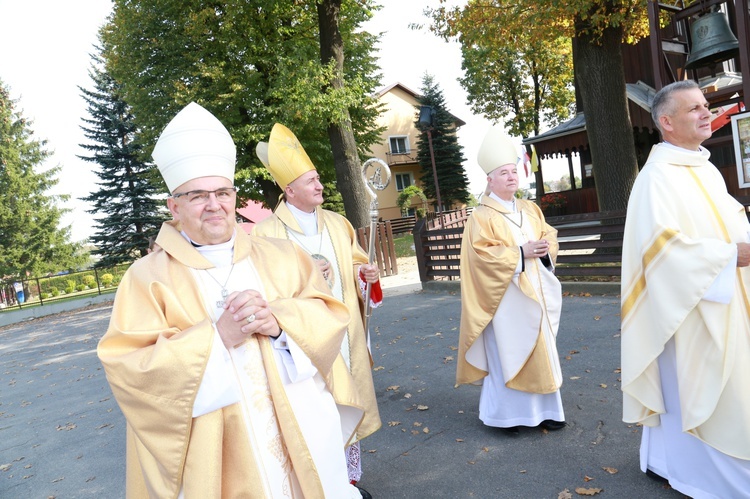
{"points": [[497, 149], [194, 144]]}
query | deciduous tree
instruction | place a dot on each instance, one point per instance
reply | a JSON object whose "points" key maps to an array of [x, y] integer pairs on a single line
{"points": [[598, 29], [252, 63]]}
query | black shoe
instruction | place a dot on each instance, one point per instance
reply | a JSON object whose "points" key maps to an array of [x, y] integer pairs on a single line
{"points": [[365, 494], [552, 425], [513, 430], [655, 476]]}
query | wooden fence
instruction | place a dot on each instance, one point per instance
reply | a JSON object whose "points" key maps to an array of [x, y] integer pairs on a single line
{"points": [[385, 250], [590, 246]]}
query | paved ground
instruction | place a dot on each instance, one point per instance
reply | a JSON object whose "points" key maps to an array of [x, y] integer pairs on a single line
{"points": [[62, 434]]}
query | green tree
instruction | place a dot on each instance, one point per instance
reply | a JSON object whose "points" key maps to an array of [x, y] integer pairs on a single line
{"points": [[598, 30], [252, 63], [128, 211], [449, 157], [31, 239]]}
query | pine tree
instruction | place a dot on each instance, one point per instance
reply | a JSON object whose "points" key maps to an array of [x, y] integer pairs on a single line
{"points": [[31, 241], [449, 158], [125, 205]]}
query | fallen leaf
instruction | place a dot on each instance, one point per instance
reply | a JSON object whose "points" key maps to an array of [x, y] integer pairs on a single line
{"points": [[596, 317], [453, 348], [379, 368], [617, 371], [522, 471], [472, 462], [447, 359], [372, 451], [574, 352], [422, 407], [58, 479], [587, 478], [486, 449], [603, 385], [587, 492], [425, 430], [407, 395], [575, 377], [392, 388], [417, 424], [6, 467], [394, 423], [609, 470], [459, 440], [565, 494]]}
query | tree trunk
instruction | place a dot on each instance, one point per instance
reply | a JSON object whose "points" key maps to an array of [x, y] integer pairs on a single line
{"points": [[343, 145], [600, 77]]}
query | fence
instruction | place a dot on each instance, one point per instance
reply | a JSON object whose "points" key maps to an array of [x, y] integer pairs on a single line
{"points": [[385, 250], [590, 246], [437, 243], [47, 289]]}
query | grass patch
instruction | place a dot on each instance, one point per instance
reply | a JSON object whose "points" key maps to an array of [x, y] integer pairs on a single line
{"points": [[404, 245]]}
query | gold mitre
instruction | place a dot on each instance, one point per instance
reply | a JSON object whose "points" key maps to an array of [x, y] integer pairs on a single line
{"points": [[497, 149], [194, 144], [283, 156]]}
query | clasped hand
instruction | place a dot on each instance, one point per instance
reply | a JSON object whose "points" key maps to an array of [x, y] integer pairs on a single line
{"points": [[535, 249], [245, 313]]}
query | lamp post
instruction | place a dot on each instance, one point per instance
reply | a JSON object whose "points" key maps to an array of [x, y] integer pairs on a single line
{"points": [[427, 123]]}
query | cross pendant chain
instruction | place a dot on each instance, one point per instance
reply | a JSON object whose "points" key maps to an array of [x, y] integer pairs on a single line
{"points": [[224, 294]]}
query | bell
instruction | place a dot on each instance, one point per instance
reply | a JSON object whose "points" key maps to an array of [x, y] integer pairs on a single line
{"points": [[712, 41]]}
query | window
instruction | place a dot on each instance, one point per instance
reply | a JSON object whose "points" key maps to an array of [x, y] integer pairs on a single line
{"points": [[403, 180], [399, 145]]}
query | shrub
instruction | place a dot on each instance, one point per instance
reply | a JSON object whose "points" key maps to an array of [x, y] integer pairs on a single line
{"points": [[107, 279], [89, 280], [81, 287], [54, 291], [69, 290]]}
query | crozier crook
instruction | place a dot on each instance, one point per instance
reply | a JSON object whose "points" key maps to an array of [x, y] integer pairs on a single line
{"points": [[378, 181]]}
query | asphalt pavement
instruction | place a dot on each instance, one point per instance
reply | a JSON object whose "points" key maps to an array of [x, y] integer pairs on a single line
{"points": [[62, 434]]}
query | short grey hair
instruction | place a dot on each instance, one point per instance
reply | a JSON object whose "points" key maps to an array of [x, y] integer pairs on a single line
{"points": [[663, 103]]}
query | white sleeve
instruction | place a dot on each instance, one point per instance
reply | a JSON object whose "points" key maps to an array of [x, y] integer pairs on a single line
{"points": [[297, 365], [218, 387], [722, 289]]}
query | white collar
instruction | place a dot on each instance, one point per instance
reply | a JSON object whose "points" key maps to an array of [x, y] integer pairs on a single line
{"points": [[219, 254], [308, 222], [511, 205]]}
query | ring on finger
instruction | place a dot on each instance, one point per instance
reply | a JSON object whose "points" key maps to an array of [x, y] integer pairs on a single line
{"points": [[250, 318]]}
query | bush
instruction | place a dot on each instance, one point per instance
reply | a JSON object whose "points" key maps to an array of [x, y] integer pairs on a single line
{"points": [[107, 279], [89, 280], [46, 295], [69, 290], [81, 287], [71, 284], [54, 291]]}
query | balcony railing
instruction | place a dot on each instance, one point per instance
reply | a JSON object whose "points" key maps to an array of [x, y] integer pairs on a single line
{"points": [[401, 158]]}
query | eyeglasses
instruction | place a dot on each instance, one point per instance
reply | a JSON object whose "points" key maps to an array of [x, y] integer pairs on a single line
{"points": [[223, 195]]}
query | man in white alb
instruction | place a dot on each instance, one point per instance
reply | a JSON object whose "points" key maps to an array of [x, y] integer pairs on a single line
{"points": [[227, 388], [330, 239], [685, 309]]}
